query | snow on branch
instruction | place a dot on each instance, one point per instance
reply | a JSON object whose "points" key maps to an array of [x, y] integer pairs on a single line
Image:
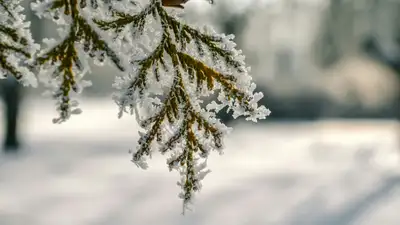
{"points": [[64, 58], [16, 44], [187, 63]]}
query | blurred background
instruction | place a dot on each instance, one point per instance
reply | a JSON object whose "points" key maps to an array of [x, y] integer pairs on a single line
{"points": [[327, 155]]}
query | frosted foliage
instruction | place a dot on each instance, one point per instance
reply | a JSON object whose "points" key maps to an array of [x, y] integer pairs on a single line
{"points": [[16, 46], [167, 68], [162, 79], [79, 40]]}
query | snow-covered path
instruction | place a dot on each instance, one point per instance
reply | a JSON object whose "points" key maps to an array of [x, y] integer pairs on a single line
{"points": [[80, 173]]}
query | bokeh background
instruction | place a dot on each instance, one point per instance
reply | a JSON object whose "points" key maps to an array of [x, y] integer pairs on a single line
{"points": [[327, 155]]}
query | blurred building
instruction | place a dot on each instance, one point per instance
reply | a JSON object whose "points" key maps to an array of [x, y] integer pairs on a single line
{"points": [[357, 48], [311, 60]]}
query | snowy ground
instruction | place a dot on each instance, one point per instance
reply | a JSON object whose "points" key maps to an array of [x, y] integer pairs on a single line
{"points": [[79, 173]]}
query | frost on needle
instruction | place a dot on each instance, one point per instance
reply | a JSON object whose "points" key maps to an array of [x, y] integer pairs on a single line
{"points": [[165, 89], [16, 44], [66, 59]]}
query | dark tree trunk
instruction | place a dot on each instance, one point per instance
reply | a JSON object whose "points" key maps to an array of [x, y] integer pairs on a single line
{"points": [[397, 110], [11, 96]]}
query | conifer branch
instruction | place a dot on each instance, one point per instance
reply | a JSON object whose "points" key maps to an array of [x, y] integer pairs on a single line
{"points": [[67, 57], [179, 108], [13, 44], [6, 8], [5, 49], [121, 19]]}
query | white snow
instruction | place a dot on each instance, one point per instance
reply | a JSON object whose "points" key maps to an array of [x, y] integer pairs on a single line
{"points": [[79, 173]]}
